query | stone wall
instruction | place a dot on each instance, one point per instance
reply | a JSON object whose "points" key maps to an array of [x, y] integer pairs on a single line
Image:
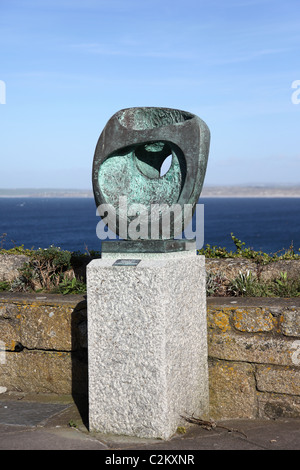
{"points": [[45, 341], [232, 267], [254, 351], [254, 357]]}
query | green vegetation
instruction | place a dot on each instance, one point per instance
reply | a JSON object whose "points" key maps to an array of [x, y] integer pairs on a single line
{"points": [[73, 424], [61, 271], [72, 286], [4, 286], [44, 271], [48, 270], [247, 285], [245, 252]]}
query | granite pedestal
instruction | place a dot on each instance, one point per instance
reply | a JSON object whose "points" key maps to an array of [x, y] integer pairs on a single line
{"points": [[147, 343]]}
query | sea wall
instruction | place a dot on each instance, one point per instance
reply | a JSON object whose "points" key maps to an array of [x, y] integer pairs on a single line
{"points": [[227, 267], [254, 357], [254, 351], [45, 338]]}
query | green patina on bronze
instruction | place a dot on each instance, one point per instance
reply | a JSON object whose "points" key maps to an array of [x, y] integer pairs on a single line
{"points": [[132, 148], [135, 172]]}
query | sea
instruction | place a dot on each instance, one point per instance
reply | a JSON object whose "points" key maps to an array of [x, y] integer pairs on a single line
{"points": [[268, 224]]}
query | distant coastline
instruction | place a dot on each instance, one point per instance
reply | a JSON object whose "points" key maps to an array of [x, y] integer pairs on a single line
{"points": [[251, 191], [208, 191], [46, 193]]}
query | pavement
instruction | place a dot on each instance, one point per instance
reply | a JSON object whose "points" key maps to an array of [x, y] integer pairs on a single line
{"points": [[47, 422]]}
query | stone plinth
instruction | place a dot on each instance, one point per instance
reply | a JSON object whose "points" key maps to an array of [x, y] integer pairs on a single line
{"points": [[147, 344]]}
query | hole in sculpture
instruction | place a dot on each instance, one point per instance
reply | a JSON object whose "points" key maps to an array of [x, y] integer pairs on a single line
{"points": [[166, 165], [153, 159]]}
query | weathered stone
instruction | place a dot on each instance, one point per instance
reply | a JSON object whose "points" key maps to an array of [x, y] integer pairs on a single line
{"points": [[9, 335], [43, 324], [44, 372], [270, 303], [278, 379], [232, 390], [253, 320], [37, 371], [257, 348], [275, 310], [10, 265], [230, 267], [290, 322], [233, 335], [273, 270], [147, 344], [219, 318], [275, 406], [272, 355]]}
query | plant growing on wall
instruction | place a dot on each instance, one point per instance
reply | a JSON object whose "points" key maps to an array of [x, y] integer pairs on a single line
{"points": [[45, 268]]}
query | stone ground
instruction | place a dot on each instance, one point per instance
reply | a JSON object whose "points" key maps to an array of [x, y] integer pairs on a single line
{"points": [[40, 422]]}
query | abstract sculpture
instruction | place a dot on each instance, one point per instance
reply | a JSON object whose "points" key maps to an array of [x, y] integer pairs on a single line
{"points": [[146, 295], [129, 156]]}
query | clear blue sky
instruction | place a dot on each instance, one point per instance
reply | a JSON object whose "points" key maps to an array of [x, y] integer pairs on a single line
{"points": [[69, 65]]}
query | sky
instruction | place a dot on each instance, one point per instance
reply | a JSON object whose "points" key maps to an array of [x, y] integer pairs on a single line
{"points": [[66, 66]]}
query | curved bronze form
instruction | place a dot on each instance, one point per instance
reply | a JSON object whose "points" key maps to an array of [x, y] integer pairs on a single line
{"points": [[132, 148]]}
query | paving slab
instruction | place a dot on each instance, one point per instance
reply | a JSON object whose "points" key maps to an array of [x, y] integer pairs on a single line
{"points": [[28, 414], [59, 423]]}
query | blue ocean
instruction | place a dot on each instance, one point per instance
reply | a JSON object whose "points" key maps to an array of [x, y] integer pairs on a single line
{"points": [[267, 224]]}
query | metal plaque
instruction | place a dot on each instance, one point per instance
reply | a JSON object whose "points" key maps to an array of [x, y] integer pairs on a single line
{"points": [[126, 262]]}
